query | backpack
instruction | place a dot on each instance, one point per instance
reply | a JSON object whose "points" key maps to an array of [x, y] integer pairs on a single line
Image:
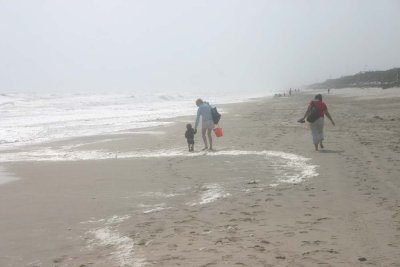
{"points": [[216, 116], [314, 114]]}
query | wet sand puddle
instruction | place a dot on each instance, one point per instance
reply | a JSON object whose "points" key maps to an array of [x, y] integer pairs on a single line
{"points": [[6, 177]]}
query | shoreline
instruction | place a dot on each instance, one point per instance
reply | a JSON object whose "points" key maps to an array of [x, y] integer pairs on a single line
{"points": [[224, 210]]}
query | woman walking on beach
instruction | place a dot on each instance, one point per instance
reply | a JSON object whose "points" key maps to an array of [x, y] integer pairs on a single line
{"points": [[207, 124], [317, 125]]}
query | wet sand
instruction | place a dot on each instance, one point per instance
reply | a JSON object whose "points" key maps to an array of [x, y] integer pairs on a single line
{"points": [[171, 208]]}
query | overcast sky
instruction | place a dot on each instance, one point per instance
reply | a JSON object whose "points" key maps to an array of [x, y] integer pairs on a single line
{"points": [[156, 45]]}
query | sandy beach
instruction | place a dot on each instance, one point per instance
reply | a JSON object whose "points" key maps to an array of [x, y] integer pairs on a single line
{"points": [[263, 198]]}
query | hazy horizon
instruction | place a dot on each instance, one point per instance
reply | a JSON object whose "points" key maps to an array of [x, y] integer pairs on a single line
{"points": [[191, 46]]}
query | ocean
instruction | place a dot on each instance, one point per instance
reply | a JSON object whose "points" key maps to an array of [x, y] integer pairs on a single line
{"points": [[30, 119]]}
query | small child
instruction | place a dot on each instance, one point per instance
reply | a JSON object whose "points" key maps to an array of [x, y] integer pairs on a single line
{"points": [[189, 134]]}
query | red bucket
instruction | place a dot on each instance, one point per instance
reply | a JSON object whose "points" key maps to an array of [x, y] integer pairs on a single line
{"points": [[218, 132]]}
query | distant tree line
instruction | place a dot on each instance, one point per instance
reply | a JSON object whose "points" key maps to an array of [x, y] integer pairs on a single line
{"points": [[384, 79]]}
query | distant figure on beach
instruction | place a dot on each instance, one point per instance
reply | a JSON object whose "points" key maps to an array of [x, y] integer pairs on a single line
{"points": [[290, 92], [189, 134], [329, 90], [207, 123], [317, 126]]}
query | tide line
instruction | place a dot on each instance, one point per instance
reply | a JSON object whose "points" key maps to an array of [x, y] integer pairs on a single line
{"points": [[291, 168]]}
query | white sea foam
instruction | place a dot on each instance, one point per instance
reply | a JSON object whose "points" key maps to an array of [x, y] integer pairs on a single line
{"points": [[211, 193], [153, 208], [124, 247], [124, 253], [156, 209], [117, 219]]}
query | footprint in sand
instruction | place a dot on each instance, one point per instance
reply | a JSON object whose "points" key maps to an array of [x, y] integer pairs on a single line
{"points": [[258, 248], [60, 259], [313, 252]]}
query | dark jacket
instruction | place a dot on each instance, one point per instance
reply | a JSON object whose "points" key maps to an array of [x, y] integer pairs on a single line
{"points": [[189, 134]]}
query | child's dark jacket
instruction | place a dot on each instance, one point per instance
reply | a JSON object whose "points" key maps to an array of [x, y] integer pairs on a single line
{"points": [[189, 134]]}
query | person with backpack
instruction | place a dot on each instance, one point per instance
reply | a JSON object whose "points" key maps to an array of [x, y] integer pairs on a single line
{"points": [[207, 122], [315, 116]]}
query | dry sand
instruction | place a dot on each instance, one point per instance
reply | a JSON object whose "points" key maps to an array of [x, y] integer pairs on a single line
{"points": [[223, 210]]}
